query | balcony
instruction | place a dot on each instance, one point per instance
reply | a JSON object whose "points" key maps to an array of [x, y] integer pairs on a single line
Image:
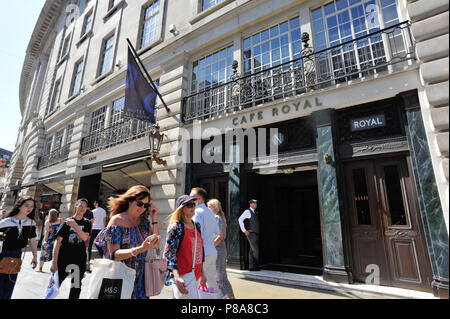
{"points": [[55, 157], [123, 132], [387, 50]]}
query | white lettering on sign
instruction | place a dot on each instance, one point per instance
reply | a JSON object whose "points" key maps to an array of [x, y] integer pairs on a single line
{"points": [[367, 123]]}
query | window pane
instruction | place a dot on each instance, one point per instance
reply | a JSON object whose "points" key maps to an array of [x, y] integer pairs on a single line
{"points": [[385, 3], [395, 196], [214, 68], [275, 45], [107, 55], [209, 3], [390, 13], [329, 8], [341, 4], [151, 24], [77, 78], [318, 26], [316, 14], [361, 196]]}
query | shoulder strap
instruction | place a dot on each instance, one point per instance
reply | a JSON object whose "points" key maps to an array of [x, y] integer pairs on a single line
{"points": [[195, 249]]}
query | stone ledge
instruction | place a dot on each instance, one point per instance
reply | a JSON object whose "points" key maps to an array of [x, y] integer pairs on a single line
{"points": [[439, 118], [318, 283], [435, 71], [433, 49], [442, 141], [430, 28], [438, 94], [423, 9]]}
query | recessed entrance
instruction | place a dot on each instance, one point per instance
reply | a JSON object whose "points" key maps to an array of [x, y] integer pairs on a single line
{"points": [[290, 238]]}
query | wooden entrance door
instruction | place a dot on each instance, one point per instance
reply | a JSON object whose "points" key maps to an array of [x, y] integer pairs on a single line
{"points": [[387, 236]]}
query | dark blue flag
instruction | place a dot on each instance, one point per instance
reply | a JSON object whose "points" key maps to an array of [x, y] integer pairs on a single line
{"points": [[140, 98]]}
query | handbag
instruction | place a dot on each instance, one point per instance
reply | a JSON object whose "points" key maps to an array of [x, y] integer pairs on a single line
{"points": [[154, 275], [10, 265]]}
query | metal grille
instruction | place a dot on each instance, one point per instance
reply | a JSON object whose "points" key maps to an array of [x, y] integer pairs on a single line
{"points": [[55, 157], [389, 49], [127, 131]]}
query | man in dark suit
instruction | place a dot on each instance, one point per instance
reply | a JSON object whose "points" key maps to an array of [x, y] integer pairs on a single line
{"points": [[249, 223]]}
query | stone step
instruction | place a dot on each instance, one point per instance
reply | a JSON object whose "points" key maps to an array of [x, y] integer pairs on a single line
{"points": [[318, 282]]}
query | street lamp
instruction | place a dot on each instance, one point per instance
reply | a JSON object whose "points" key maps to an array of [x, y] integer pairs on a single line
{"points": [[155, 138]]}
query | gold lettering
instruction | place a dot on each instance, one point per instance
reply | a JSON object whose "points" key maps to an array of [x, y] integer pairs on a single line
{"points": [[243, 120], [317, 102], [297, 105], [260, 115], [275, 112], [252, 116], [235, 121], [306, 105], [286, 109]]}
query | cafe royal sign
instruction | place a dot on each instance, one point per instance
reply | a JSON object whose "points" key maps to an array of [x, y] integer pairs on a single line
{"points": [[298, 108]]}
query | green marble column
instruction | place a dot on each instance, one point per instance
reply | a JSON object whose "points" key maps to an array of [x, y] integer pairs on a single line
{"points": [[430, 204], [333, 245], [234, 189]]}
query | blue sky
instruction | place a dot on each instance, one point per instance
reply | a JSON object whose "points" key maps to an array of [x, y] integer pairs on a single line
{"points": [[17, 21]]}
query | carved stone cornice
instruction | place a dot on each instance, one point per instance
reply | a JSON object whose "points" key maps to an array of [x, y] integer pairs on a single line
{"points": [[383, 146]]}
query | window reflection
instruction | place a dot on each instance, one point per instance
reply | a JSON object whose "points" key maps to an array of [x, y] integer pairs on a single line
{"points": [[361, 196], [395, 196]]}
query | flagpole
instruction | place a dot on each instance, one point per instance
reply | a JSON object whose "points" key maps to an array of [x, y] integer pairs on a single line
{"points": [[136, 56]]}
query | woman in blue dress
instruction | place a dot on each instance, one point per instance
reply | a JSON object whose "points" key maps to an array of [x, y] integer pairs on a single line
{"points": [[51, 227], [127, 235]]}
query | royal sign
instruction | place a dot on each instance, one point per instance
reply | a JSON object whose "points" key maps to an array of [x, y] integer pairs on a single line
{"points": [[367, 123]]}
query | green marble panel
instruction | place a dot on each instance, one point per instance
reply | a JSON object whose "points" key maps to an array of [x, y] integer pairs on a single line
{"points": [[430, 205]]}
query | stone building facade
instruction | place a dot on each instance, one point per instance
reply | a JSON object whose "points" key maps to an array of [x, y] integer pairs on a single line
{"points": [[356, 90]]}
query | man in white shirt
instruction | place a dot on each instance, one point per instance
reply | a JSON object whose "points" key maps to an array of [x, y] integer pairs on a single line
{"points": [[98, 223], [210, 230], [249, 223]]}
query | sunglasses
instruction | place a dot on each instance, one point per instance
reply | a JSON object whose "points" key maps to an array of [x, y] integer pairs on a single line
{"points": [[140, 204], [190, 205]]}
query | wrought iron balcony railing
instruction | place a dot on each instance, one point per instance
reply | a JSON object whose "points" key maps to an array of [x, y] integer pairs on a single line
{"points": [[55, 157], [123, 132], [389, 49]]}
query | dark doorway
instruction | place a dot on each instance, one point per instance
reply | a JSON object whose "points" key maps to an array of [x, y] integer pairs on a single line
{"points": [[290, 238], [216, 187], [89, 187]]}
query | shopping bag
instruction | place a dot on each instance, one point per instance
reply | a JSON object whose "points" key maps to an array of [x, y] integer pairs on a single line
{"points": [[53, 287], [111, 280], [207, 293]]}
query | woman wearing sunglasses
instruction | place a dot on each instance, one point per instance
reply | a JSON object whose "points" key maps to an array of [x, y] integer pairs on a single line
{"points": [[127, 235], [184, 251]]}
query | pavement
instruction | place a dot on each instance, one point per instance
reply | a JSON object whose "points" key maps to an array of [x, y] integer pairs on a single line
{"points": [[246, 285]]}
